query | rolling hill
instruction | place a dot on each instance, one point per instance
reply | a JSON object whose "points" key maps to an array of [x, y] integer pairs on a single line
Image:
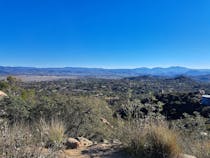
{"points": [[197, 74]]}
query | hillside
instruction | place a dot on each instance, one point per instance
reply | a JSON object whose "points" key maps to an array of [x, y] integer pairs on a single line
{"points": [[105, 118]]}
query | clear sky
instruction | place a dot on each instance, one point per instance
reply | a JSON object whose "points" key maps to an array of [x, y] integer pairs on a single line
{"points": [[105, 33]]}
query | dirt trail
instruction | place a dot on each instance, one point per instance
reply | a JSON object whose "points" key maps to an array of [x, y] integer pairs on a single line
{"points": [[96, 151]]}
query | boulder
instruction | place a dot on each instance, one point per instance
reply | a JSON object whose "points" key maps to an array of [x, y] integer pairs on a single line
{"points": [[116, 141], [203, 134], [2, 94], [105, 141], [84, 142], [72, 143]]}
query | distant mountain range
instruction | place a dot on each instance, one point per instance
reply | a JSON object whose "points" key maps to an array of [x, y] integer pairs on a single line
{"points": [[198, 74]]}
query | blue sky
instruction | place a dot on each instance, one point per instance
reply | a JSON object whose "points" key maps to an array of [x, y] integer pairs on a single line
{"points": [[105, 33]]}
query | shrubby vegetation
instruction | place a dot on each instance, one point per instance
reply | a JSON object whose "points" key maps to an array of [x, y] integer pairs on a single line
{"points": [[152, 117]]}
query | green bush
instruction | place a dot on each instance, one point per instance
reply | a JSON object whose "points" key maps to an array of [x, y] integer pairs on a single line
{"points": [[15, 109]]}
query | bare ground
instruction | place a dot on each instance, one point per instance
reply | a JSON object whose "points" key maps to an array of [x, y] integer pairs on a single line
{"points": [[96, 151]]}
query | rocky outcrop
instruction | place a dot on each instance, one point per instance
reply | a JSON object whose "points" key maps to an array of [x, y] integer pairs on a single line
{"points": [[74, 143]]}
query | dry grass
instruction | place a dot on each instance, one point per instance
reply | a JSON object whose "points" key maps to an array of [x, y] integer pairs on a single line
{"points": [[151, 140], [162, 141], [22, 141], [201, 149], [52, 133], [141, 139], [15, 140]]}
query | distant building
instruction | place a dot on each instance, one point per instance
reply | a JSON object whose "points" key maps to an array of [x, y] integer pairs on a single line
{"points": [[205, 100]]}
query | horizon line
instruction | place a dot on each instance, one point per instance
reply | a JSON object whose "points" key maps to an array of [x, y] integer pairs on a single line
{"points": [[89, 67]]}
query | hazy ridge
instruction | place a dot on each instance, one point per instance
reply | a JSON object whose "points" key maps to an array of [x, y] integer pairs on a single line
{"points": [[198, 74]]}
